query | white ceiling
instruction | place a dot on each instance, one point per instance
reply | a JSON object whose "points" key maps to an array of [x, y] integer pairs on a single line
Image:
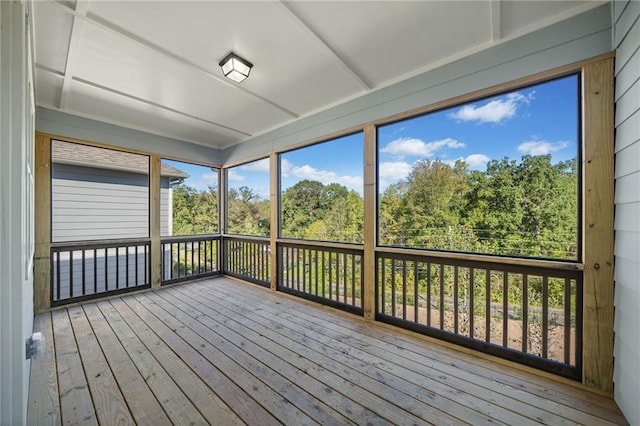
{"points": [[153, 65]]}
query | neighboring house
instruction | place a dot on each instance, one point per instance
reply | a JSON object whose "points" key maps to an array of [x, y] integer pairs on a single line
{"points": [[103, 194]]}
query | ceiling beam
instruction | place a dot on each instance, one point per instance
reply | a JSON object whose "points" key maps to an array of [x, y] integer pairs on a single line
{"points": [[121, 32], [496, 20], [77, 28], [324, 45]]}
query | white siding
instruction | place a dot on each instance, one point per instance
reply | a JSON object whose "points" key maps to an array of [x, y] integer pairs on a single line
{"points": [[627, 221], [16, 206], [92, 204], [96, 204]]}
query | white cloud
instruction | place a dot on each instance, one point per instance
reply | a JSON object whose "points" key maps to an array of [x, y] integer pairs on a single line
{"points": [[541, 147], [394, 170], [495, 111], [476, 161], [204, 181], [323, 176], [234, 176], [413, 147], [256, 166]]}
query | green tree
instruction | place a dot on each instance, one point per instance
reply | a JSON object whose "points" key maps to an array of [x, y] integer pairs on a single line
{"points": [[247, 212], [194, 212]]}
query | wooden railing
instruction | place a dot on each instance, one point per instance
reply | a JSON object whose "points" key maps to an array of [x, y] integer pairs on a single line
{"points": [[530, 314], [189, 257], [328, 273], [248, 258], [92, 269]]}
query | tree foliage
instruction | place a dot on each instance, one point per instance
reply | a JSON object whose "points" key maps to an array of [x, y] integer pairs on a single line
{"points": [[314, 211], [194, 212], [247, 213], [527, 208]]}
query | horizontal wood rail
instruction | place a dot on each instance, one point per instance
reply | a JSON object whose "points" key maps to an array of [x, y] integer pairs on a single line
{"points": [[91, 269], [529, 314], [189, 257], [331, 274]]}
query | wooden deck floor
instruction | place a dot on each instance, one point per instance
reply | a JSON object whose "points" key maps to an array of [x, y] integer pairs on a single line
{"points": [[224, 352]]}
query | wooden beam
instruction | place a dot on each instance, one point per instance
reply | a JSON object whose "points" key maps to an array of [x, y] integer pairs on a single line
{"points": [[154, 220], [42, 263], [274, 219], [598, 119], [370, 225]]}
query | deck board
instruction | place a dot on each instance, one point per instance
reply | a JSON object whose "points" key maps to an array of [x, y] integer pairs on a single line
{"points": [[437, 364], [44, 402], [108, 401], [75, 400], [224, 352]]}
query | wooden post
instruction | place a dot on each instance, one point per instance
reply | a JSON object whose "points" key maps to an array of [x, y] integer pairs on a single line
{"points": [[370, 224], [598, 92], [42, 261], [222, 215], [154, 221], [275, 220]]}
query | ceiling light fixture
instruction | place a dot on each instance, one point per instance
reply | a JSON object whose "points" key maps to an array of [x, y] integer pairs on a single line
{"points": [[235, 68]]}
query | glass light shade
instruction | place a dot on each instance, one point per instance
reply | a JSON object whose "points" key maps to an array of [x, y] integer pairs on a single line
{"points": [[235, 68]]}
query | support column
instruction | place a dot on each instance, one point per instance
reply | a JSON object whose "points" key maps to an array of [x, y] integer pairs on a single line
{"points": [[42, 214], [370, 223], [274, 219], [597, 359], [154, 221]]}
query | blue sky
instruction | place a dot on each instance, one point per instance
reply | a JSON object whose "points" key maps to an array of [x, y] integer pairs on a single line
{"points": [[200, 177], [537, 120]]}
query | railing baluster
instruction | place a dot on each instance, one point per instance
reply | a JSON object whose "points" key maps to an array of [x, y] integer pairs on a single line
{"points": [[456, 311], [505, 309], [106, 269], [393, 288], [383, 286], [487, 330], [84, 272], [304, 269], [299, 272], [331, 275], [429, 294], [315, 266], [404, 289], [545, 315], [193, 263], [58, 275], [442, 296], [127, 265], [70, 273], [567, 321], [95, 270], [472, 302], [322, 266], [525, 312], [344, 277], [416, 293], [353, 279], [137, 275], [178, 261]]}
